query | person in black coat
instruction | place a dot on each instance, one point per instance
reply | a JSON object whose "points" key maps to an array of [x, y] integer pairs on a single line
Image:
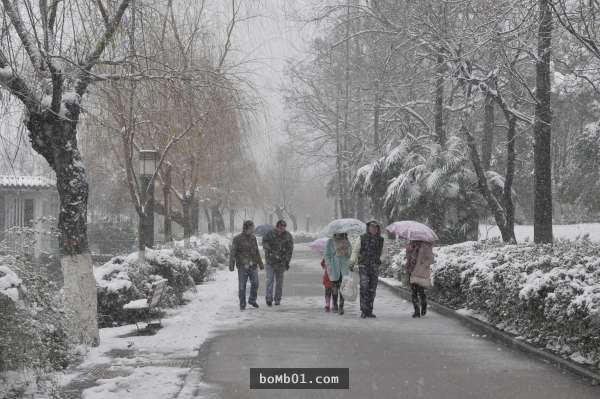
{"points": [[367, 254]]}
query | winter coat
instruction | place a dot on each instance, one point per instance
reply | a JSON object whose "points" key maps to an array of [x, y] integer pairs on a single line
{"points": [[244, 252], [337, 266], [419, 257], [278, 249], [367, 249]]}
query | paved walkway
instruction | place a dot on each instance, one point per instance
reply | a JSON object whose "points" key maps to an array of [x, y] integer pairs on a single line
{"points": [[393, 356]]}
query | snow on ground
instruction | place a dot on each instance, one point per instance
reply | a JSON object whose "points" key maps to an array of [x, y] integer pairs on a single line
{"points": [[143, 382], [566, 232], [138, 358], [184, 328], [392, 281]]}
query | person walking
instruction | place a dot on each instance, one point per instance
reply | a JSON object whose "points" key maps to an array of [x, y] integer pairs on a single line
{"points": [[245, 255], [367, 254], [337, 259], [279, 246], [419, 257], [327, 285]]}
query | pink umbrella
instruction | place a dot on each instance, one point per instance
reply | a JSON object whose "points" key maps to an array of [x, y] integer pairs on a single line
{"points": [[319, 245], [412, 231]]}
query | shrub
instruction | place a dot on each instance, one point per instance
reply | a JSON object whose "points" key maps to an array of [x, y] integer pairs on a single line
{"points": [[32, 325], [123, 278]]}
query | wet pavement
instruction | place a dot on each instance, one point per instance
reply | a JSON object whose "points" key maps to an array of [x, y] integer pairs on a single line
{"points": [[392, 356]]}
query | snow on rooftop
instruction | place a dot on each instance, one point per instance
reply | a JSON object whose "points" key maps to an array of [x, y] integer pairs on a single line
{"points": [[26, 182]]}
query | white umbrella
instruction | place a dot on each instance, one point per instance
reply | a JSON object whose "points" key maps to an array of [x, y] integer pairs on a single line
{"points": [[345, 226], [412, 231]]}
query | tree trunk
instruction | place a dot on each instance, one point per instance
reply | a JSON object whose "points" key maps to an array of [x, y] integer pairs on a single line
{"points": [[494, 206], [339, 166], [439, 100], [218, 221], [56, 140], [335, 209], [508, 180], [542, 204], [195, 216], [487, 144], [141, 239], [361, 207], [294, 221], [376, 117], [307, 223], [167, 205], [147, 214], [231, 220], [186, 206]]}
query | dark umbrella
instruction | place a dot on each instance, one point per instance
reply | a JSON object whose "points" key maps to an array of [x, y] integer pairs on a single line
{"points": [[263, 229]]}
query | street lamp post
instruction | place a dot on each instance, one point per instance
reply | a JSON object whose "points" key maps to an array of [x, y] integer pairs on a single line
{"points": [[148, 164]]}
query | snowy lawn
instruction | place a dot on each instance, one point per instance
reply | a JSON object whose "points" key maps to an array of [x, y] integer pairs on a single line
{"points": [[525, 232]]}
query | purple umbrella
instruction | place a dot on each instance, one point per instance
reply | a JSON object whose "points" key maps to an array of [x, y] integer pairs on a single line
{"points": [[412, 231], [319, 245]]}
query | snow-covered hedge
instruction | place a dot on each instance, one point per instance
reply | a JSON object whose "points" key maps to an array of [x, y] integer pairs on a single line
{"points": [[32, 332], [548, 295], [124, 278], [213, 246]]}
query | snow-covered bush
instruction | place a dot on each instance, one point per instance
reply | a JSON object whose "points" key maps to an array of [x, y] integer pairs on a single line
{"points": [[304, 236], [32, 332], [550, 295], [213, 246], [124, 278]]}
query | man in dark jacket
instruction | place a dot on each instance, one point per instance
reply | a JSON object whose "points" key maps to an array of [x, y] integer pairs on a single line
{"points": [[245, 255], [278, 245], [367, 254]]}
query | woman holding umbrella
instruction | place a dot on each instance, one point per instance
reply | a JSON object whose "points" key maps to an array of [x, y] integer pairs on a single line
{"points": [[337, 257], [419, 257]]}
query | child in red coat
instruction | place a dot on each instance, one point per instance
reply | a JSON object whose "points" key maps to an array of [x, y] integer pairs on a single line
{"points": [[327, 285]]}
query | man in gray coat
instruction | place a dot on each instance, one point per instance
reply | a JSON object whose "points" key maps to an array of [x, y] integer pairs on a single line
{"points": [[278, 245]]}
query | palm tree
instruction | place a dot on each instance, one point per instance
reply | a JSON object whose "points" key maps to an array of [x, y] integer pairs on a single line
{"points": [[422, 180]]}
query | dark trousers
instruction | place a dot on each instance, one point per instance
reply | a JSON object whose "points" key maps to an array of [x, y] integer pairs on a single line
{"points": [[245, 274], [274, 277], [336, 292], [369, 277], [419, 299]]}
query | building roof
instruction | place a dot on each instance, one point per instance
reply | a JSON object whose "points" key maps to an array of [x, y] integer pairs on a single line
{"points": [[26, 182]]}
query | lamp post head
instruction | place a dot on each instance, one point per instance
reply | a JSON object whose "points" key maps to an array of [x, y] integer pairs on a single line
{"points": [[148, 162]]}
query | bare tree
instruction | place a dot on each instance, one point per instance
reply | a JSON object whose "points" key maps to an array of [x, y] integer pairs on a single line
{"points": [[49, 72]]}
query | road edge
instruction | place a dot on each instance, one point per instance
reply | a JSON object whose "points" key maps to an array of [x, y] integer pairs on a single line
{"points": [[503, 337]]}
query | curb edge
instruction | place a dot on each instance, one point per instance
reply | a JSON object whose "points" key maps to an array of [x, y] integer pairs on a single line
{"points": [[503, 337]]}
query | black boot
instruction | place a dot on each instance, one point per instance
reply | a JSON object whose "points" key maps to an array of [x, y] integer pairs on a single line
{"points": [[417, 311], [423, 308]]}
